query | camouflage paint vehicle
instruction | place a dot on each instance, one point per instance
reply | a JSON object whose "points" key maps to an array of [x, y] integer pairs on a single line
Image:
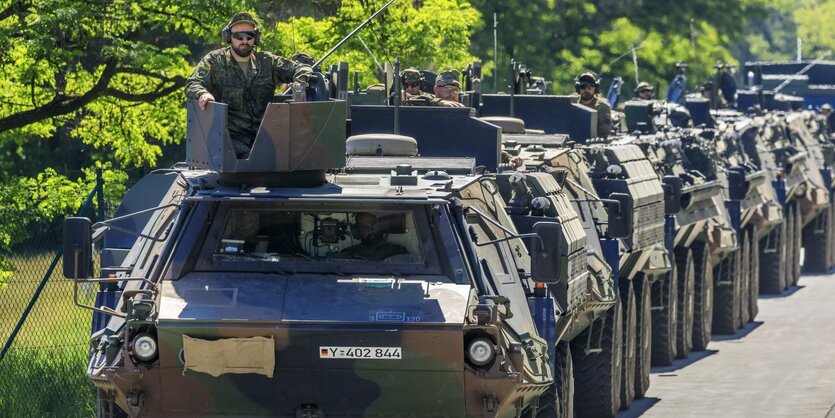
{"points": [[264, 287], [707, 236], [637, 256]]}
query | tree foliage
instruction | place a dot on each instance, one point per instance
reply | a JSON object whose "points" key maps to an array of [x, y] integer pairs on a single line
{"points": [[558, 39], [431, 34]]}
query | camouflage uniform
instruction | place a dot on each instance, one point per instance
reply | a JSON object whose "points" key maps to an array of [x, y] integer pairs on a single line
{"points": [[604, 113], [247, 95]]}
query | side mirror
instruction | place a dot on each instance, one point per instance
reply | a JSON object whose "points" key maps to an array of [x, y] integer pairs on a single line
{"points": [[545, 252], [672, 186], [78, 248], [737, 186], [619, 207]]}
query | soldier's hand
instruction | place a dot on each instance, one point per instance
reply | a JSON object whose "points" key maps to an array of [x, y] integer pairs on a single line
{"points": [[517, 162], [205, 98], [450, 103]]}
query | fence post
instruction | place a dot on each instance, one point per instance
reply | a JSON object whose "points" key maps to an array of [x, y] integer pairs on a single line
{"points": [[100, 193]]}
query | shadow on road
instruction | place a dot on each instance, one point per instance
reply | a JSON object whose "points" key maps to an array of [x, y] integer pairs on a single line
{"points": [[788, 292], [682, 363], [740, 333], [637, 408]]}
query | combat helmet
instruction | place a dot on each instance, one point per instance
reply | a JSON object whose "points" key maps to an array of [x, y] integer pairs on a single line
{"points": [[410, 75], [240, 17], [643, 86], [588, 77]]}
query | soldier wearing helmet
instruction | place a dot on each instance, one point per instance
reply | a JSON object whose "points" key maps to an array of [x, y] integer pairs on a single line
{"points": [[644, 91], [587, 87], [447, 88], [826, 111], [243, 79]]}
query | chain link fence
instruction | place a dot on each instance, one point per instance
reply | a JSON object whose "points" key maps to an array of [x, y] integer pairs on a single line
{"points": [[44, 337]]}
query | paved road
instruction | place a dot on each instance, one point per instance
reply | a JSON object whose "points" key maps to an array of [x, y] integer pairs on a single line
{"points": [[781, 365]]}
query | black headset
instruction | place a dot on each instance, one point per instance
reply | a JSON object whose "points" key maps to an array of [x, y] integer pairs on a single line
{"points": [[577, 82], [226, 34]]}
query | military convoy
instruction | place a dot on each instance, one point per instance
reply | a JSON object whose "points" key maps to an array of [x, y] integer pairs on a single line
{"points": [[404, 270]]}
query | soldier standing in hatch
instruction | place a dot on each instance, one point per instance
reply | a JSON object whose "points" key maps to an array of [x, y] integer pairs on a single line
{"points": [[587, 87], [243, 79], [826, 111], [411, 79], [644, 91]]}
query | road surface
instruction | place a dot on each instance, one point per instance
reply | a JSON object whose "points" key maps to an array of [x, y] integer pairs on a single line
{"points": [[781, 365]]}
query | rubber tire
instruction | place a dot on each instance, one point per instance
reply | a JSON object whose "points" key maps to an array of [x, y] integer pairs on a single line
{"points": [[664, 294], [754, 289], [630, 343], [817, 244], [773, 262], [790, 250], [745, 276], [798, 244], [643, 354], [726, 295], [558, 401], [597, 376], [702, 296], [686, 303], [106, 409]]}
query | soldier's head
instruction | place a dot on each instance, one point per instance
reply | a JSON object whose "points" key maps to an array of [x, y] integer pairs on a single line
{"points": [[242, 33], [447, 86], [587, 85], [366, 226], [644, 91], [707, 89], [826, 109], [410, 78]]}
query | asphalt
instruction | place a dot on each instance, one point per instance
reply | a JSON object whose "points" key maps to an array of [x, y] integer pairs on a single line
{"points": [[780, 365]]}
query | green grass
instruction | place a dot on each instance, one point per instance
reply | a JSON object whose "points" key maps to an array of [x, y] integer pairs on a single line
{"points": [[43, 373]]}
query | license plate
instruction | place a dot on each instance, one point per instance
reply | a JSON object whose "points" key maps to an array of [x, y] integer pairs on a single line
{"points": [[365, 353]]}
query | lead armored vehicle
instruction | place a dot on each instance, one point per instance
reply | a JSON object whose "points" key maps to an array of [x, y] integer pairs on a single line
{"points": [[270, 287]]}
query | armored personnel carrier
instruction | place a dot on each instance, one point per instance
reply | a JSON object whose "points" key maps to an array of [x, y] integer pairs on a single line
{"points": [[636, 255], [708, 231], [275, 286]]}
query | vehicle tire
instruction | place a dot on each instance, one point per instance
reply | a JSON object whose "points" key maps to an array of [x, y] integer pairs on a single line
{"points": [[702, 296], [686, 302], [790, 250], [726, 295], [643, 352], [665, 299], [630, 343], [754, 290], [817, 237], [745, 277], [773, 261], [597, 374], [798, 243], [558, 401], [106, 407]]}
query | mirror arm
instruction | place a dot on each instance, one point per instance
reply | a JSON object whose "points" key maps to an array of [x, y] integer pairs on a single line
{"points": [[105, 226], [531, 235]]}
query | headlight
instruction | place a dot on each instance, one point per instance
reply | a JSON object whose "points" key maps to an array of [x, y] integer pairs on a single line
{"points": [[144, 347], [481, 352]]}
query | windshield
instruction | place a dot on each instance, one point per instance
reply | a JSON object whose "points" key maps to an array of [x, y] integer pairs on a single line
{"points": [[321, 239]]}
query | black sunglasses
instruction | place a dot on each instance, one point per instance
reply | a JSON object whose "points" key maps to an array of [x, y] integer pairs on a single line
{"points": [[243, 36], [586, 86], [412, 84]]}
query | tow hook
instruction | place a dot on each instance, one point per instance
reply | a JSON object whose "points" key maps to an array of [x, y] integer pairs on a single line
{"points": [[136, 401]]}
